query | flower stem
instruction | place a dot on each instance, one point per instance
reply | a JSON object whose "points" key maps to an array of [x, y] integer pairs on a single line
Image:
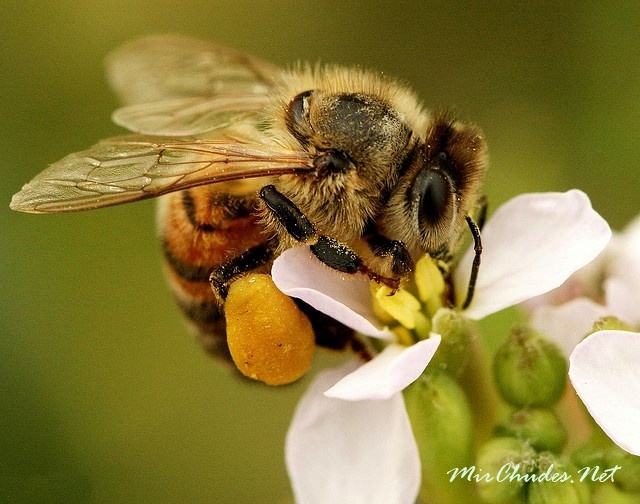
{"points": [[477, 381]]}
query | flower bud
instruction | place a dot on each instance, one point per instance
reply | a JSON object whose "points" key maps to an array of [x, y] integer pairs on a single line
{"points": [[627, 477], [591, 453], [556, 482], [502, 464], [269, 338], [611, 324], [453, 353], [529, 370], [541, 428], [609, 493], [441, 421]]}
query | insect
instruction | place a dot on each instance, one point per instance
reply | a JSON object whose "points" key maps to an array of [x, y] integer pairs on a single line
{"points": [[248, 159]]}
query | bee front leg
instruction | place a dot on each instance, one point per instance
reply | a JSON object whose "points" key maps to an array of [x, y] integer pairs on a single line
{"points": [[392, 252], [329, 250]]}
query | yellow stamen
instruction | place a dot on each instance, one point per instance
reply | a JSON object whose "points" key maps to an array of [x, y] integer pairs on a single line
{"points": [[429, 282], [402, 305]]}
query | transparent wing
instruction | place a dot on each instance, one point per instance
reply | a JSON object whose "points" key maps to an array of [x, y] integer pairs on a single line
{"points": [[191, 116], [160, 67], [125, 169]]}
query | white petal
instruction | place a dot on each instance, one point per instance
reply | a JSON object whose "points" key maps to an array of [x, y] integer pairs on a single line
{"points": [[605, 372], [530, 246], [622, 299], [623, 284], [359, 452], [298, 273], [631, 233], [569, 323], [388, 373]]}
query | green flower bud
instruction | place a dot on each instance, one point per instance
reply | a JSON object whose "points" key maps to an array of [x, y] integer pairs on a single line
{"points": [[541, 428], [627, 477], [611, 324], [529, 370], [442, 425], [609, 493], [501, 465], [453, 353], [556, 482], [591, 454]]}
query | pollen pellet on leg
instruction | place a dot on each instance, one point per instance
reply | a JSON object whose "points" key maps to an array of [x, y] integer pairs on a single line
{"points": [[269, 338]]}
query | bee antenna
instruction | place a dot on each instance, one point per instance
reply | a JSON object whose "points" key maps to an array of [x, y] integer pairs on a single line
{"points": [[475, 267]]}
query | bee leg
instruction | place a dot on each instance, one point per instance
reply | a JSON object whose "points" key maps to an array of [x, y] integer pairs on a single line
{"points": [[222, 276], [394, 251], [336, 255], [329, 250], [288, 214]]}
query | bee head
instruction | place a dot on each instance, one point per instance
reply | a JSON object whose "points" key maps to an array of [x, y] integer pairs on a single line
{"points": [[439, 188], [446, 187]]}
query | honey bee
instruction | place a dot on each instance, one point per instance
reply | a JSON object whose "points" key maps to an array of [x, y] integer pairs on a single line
{"points": [[249, 159]]}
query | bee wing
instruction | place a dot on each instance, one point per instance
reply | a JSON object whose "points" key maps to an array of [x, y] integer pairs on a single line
{"points": [[191, 116], [125, 169], [160, 67]]}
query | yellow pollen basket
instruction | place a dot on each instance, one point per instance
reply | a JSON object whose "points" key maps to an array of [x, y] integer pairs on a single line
{"points": [[269, 338]]}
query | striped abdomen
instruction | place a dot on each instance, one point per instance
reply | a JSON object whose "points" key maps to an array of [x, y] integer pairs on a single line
{"points": [[200, 229]]}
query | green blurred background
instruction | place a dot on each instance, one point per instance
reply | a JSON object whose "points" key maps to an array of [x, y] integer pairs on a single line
{"points": [[104, 397]]}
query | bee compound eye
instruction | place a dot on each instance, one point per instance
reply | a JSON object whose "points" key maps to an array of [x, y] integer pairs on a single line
{"points": [[432, 192], [298, 108]]}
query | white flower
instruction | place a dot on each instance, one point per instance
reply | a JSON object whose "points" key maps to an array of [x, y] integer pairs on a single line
{"points": [[604, 367], [605, 374], [622, 282], [566, 325], [332, 457], [612, 279], [351, 428]]}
